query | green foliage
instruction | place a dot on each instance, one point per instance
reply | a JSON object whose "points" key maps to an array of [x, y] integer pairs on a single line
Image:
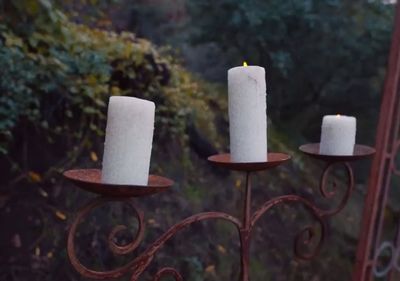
{"points": [[57, 77], [321, 56], [16, 97]]}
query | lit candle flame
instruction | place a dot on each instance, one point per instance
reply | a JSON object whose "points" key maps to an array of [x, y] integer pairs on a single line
{"points": [[244, 63], [337, 115]]}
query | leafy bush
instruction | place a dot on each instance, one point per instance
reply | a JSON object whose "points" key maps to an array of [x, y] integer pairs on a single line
{"points": [[325, 57], [57, 77]]}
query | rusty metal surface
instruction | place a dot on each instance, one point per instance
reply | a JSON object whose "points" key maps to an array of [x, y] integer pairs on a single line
{"points": [[90, 180], [168, 271], [372, 244], [137, 266], [224, 160], [326, 193], [360, 152], [307, 242]]}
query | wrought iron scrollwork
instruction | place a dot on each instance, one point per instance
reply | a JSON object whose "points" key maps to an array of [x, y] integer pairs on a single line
{"points": [[168, 271], [328, 194], [136, 267], [307, 234]]}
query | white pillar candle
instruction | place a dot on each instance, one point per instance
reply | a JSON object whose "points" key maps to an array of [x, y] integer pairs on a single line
{"points": [[338, 135], [247, 114], [129, 137]]}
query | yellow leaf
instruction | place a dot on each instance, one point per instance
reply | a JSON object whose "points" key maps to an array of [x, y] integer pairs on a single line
{"points": [[34, 177], [12, 40], [91, 80], [61, 215], [210, 269], [115, 91], [43, 193], [221, 249], [153, 223], [238, 183], [93, 156], [127, 51]]}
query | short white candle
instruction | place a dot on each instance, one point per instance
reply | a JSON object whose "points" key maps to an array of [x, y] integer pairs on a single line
{"points": [[338, 135], [247, 114], [129, 137]]}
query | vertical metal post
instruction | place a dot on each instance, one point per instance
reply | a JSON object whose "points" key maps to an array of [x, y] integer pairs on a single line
{"points": [[245, 231]]}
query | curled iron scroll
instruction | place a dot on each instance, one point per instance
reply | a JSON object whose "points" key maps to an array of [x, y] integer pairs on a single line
{"points": [[168, 271], [303, 240], [138, 265], [307, 234], [326, 193]]}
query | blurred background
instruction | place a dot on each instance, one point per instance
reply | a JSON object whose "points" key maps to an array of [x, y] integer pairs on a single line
{"points": [[62, 60]]}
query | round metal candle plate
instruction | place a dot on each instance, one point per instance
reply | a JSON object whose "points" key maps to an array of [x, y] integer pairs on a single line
{"points": [[90, 180], [360, 151], [224, 160]]}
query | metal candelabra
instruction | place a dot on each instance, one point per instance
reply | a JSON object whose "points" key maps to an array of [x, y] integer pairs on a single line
{"points": [[89, 180]]}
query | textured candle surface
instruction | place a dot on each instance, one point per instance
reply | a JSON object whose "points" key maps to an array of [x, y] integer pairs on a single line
{"points": [[247, 114], [338, 135], [129, 137]]}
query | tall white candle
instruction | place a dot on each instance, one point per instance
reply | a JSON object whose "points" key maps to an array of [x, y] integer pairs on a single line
{"points": [[338, 135], [129, 137], [247, 114]]}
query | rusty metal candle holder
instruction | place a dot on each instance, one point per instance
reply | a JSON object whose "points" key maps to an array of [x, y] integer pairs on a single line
{"points": [[90, 180]]}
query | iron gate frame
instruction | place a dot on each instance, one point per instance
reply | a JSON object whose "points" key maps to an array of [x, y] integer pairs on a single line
{"points": [[382, 169]]}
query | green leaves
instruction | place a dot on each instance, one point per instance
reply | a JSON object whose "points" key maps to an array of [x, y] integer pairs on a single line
{"points": [[57, 79], [317, 53]]}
